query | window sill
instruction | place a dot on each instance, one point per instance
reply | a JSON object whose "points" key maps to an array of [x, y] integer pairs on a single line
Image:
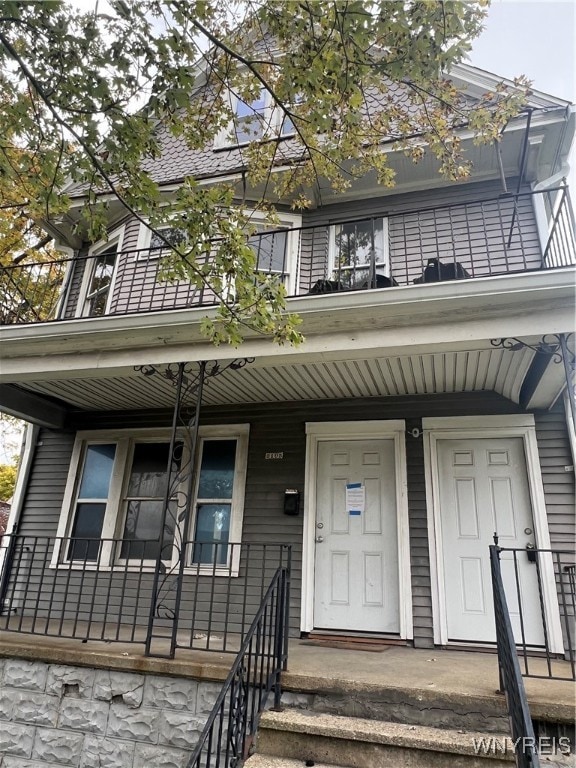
{"points": [[243, 144], [219, 571]]}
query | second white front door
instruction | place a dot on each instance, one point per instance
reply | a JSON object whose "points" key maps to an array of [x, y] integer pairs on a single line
{"points": [[356, 584], [484, 489]]}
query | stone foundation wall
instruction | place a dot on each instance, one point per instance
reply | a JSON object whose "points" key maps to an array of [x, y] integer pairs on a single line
{"points": [[54, 716]]}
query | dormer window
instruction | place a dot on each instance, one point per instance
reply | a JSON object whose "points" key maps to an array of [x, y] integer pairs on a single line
{"points": [[250, 120], [253, 120]]}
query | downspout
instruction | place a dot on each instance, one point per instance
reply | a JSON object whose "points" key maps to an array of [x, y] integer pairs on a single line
{"points": [[7, 541]]}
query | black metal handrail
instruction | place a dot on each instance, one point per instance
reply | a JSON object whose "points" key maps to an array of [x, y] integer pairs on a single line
{"points": [[511, 680], [228, 734], [488, 237], [102, 589]]}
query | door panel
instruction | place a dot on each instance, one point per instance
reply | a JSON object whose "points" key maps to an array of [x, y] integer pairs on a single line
{"points": [[484, 489], [356, 555]]}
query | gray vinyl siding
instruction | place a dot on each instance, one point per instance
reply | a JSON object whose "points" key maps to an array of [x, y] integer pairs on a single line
{"points": [[556, 463], [75, 285], [46, 484], [558, 478], [419, 546]]}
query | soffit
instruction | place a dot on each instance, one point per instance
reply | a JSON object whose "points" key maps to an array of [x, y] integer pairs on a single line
{"points": [[497, 370]]}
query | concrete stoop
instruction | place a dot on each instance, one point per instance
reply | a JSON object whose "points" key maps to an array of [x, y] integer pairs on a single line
{"points": [[353, 742]]}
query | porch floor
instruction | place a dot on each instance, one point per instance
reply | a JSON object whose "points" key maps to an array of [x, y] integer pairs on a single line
{"points": [[461, 675]]}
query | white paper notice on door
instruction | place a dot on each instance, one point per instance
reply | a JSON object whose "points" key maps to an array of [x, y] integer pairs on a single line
{"points": [[355, 498]]}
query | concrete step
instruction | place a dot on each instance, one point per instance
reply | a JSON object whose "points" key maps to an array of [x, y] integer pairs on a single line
{"points": [[431, 707], [353, 742]]}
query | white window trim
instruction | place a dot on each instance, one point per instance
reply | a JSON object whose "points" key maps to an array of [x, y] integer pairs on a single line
{"points": [[316, 432], [471, 427], [115, 237], [332, 266], [289, 221], [145, 239], [113, 524]]}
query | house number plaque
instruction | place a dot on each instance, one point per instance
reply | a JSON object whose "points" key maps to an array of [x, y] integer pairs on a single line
{"points": [[274, 456]]}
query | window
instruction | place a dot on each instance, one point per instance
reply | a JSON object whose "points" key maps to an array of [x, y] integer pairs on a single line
{"points": [[253, 120], [275, 247], [98, 279], [270, 250], [91, 502], [355, 246], [143, 502], [214, 500], [250, 120], [117, 486]]}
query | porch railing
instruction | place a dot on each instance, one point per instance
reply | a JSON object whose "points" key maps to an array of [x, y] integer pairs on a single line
{"points": [[484, 238], [511, 681], [102, 589], [230, 729], [533, 630]]}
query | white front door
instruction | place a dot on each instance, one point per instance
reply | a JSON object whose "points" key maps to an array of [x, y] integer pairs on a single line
{"points": [[484, 489], [356, 556]]}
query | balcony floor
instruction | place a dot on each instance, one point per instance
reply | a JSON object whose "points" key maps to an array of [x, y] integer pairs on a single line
{"points": [[464, 676]]}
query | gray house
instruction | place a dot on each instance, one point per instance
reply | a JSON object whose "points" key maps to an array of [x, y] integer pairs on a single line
{"points": [[427, 410]]}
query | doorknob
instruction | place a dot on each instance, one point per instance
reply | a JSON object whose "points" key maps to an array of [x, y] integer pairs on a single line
{"points": [[319, 539]]}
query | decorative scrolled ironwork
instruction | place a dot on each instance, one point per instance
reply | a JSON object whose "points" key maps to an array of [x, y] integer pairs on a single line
{"points": [[556, 345], [550, 344], [188, 379]]}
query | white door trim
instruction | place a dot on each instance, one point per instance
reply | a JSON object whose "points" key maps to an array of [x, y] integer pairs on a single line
{"points": [[470, 427], [356, 430]]}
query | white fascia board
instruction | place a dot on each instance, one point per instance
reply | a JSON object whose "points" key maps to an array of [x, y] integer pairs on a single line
{"points": [[480, 81], [416, 297], [411, 321]]}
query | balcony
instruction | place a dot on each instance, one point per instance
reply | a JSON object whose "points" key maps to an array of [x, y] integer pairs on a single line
{"points": [[480, 239]]}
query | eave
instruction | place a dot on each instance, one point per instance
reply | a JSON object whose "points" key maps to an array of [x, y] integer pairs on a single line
{"points": [[411, 340]]}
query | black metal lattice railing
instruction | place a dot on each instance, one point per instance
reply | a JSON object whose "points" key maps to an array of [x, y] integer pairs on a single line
{"points": [[475, 239], [535, 621], [103, 589], [231, 726], [510, 675]]}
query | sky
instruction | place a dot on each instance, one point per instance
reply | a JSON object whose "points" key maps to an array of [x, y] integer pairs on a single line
{"points": [[536, 38]]}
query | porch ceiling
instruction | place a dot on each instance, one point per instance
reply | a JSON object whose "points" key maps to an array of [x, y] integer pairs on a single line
{"points": [[487, 369]]}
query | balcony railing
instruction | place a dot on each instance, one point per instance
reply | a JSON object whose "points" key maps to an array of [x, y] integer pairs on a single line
{"points": [[484, 238], [103, 590]]}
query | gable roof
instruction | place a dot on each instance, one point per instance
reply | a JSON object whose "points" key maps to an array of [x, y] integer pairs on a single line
{"points": [[177, 160]]}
